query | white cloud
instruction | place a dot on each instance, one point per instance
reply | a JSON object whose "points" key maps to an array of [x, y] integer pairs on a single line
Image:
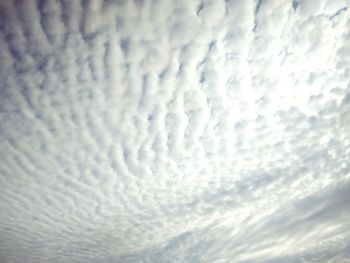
{"points": [[174, 131]]}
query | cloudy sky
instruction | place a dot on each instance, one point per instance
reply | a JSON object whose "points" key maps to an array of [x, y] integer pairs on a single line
{"points": [[146, 131]]}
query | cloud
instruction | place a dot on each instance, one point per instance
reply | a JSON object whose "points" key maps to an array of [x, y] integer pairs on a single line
{"points": [[174, 131]]}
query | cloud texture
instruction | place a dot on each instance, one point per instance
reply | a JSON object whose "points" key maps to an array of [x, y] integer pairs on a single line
{"points": [[174, 131]]}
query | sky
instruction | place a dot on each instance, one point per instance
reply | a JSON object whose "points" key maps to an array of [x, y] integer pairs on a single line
{"points": [[188, 131]]}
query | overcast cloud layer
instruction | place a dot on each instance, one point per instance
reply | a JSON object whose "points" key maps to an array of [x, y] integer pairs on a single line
{"points": [[175, 131]]}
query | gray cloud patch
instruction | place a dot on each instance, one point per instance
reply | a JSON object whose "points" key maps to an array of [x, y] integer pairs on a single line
{"points": [[174, 131]]}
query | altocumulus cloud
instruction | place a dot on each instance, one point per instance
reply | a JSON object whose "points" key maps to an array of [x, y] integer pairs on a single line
{"points": [[175, 131]]}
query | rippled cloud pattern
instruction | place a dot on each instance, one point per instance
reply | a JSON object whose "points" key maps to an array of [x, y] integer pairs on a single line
{"points": [[182, 131]]}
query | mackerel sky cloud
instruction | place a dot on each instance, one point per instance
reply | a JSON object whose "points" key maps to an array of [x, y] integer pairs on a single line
{"points": [[163, 131]]}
